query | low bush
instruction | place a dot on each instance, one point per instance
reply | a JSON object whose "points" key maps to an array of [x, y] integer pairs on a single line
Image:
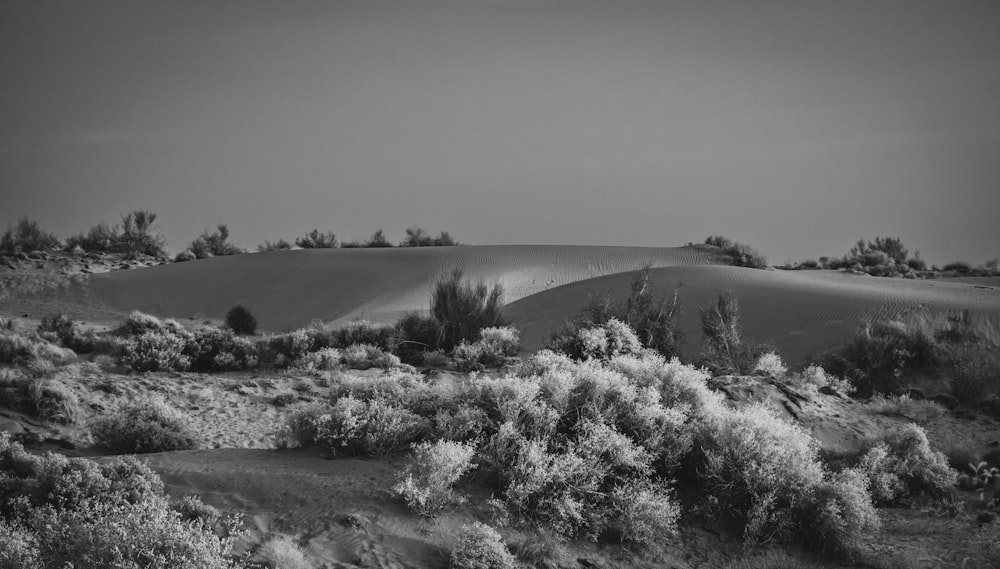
{"points": [[316, 239], [60, 329], [375, 427], [920, 411], [364, 356], [464, 309], [740, 255], [283, 350], [241, 321], [282, 552], [377, 240], [814, 378], [384, 336], [209, 349], [770, 364], [46, 399], [427, 485], [29, 349], [495, 348], [213, 244], [643, 514], [481, 547], [900, 464], [279, 245], [418, 334], [653, 320], [837, 516], [25, 237], [155, 351], [757, 470], [144, 426], [417, 237], [724, 350]]}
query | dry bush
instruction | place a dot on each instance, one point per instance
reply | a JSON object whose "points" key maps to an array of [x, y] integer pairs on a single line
{"points": [[25, 237], [481, 547], [427, 484], [920, 411], [241, 321], [282, 552], [145, 425], [725, 350], [900, 464]]}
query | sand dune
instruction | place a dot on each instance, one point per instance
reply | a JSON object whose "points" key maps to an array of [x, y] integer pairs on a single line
{"points": [[799, 312], [288, 289]]}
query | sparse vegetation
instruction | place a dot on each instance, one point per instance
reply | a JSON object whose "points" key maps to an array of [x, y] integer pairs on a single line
{"points": [[378, 240], [279, 245], [417, 237], [26, 237], [481, 547], [133, 236], [427, 485], [740, 255], [316, 239], [653, 322], [146, 425], [213, 244], [725, 350]]}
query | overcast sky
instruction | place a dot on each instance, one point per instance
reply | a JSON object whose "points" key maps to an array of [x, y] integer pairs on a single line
{"points": [[795, 126]]}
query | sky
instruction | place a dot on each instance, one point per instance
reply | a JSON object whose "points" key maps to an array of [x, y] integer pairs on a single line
{"points": [[797, 127]]}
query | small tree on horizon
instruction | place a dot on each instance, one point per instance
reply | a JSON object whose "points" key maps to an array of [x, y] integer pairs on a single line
{"points": [[317, 240], [241, 321]]}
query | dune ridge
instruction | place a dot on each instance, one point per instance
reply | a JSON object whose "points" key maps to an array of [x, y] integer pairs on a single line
{"points": [[288, 289]]}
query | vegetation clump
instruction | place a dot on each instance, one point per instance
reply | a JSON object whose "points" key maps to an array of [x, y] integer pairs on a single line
{"points": [[316, 239], [417, 237], [725, 351], [652, 322], [739, 254], [427, 485], [26, 237], [133, 236], [144, 426], [214, 244], [241, 321]]}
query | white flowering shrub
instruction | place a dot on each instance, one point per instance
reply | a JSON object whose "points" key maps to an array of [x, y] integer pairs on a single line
{"points": [[375, 427], [809, 381], [771, 365], [901, 463], [427, 484], [155, 351], [481, 547]]}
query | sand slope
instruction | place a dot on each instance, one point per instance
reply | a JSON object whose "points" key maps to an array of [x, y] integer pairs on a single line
{"points": [[288, 289], [800, 312]]}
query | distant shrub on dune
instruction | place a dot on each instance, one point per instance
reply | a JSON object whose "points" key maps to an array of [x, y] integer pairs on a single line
{"points": [[27, 236], [279, 245], [364, 332], [214, 244], [147, 425], [496, 347], [316, 239], [241, 321], [740, 255], [133, 236], [377, 240], [883, 257], [417, 237]]}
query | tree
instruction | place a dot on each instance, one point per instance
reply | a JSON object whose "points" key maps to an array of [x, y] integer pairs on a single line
{"points": [[137, 238]]}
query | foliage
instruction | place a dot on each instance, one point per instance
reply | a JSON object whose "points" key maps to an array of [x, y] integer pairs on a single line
{"points": [[653, 321], [429, 479], [756, 469], [282, 552], [241, 321], [214, 244], [495, 347], [814, 378], [724, 349], [481, 547], [384, 336], [30, 349], [155, 351], [920, 411], [377, 240], [316, 239], [901, 463], [740, 255], [375, 427], [136, 236], [838, 516], [417, 237], [144, 426], [463, 309], [25, 237], [46, 399], [279, 245], [418, 334], [770, 364]]}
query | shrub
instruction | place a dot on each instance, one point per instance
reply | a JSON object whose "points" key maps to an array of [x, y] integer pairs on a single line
{"points": [[317, 240], [838, 516], [301, 428], [643, 513], [771, 365], [282, 553], [241, 321], [960, 267], [326, 359], [279, 245], [879, 353], [377, 240], [920, 411], [283, 350], [417, 334], [214, 244], [901, 463], [652, 319], [463, 309], [495, 347], [144, 426], [757, 470], [137, 237], [740, 255], [481, 547], [155, 351], [46, 399], [814, 378], [375, 427], [211, 349], [192, 509], [433, 471], [383, 336], [724, 349], [26, 237], [417, 237], [30, 350], [18, 548], [363, 356], [101, 238]]}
